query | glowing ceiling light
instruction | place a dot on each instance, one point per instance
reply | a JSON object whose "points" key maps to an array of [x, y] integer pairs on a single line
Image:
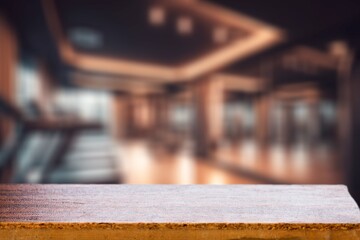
{"points": [[338, 48], [220, 35], [156, 16], [184, 25]]}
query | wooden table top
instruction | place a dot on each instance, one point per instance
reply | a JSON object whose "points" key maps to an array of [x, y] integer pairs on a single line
{"points": [[219, 206]]}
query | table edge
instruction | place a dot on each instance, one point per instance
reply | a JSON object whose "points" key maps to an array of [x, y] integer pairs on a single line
{"points": [[178, 226]]}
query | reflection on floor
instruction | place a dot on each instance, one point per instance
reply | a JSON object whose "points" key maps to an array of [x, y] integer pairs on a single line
{"points": [[300, 163], [143, 162]]}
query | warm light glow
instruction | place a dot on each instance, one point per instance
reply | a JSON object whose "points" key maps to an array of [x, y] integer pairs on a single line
{"points": [[260, 36], [184, 25], [243, 83], [220, 35], [134, 86], [278, 160], [248, 153], [142, 113], [187, 167], [338, 48], [157, 16], [300, 160], [216, 178], [314, 57], [138, 153]]}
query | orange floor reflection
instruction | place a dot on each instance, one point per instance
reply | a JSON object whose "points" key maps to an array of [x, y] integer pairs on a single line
{"points": [[301, 164], [141, 164]]}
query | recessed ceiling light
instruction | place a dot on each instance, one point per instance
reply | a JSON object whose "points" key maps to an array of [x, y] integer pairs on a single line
{"points": [[156, 16], [220, 34], [338, 48], [184, 25]]}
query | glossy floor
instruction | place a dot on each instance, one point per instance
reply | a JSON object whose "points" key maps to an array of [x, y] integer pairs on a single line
{"points": [[142, 162]]}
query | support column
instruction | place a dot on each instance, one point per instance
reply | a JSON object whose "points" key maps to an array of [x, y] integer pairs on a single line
{"points": [[8, 51], [262, 119], [290, 128], [124, 115], [313, 123], [121, 112], [160, 116], [209, 104]]}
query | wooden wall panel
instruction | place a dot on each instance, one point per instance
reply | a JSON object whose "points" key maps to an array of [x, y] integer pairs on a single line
{"points": [[8, 61]]}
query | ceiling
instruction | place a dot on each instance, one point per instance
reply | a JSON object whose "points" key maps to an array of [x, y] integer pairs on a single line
{"points": [[118, 37], [123, 29], [127, 33], [298, 17], [313, 23]]}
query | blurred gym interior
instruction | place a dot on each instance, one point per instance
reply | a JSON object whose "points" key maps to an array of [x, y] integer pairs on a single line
{"points": [[180, 92]]}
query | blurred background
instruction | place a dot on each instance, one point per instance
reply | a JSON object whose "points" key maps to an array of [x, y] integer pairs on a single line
{"points": [[180, 92]]}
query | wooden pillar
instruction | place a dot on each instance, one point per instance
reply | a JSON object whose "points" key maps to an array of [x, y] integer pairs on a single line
{"points": [[129, 114], [161, 114], [313, 123], [139, 117], [263, 119], [124, 115], [209, 104], [120, 115], [8, 62], [290, 128]]}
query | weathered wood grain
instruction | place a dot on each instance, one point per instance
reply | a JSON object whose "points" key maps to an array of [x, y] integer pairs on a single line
{"points": [[170, 211]]}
